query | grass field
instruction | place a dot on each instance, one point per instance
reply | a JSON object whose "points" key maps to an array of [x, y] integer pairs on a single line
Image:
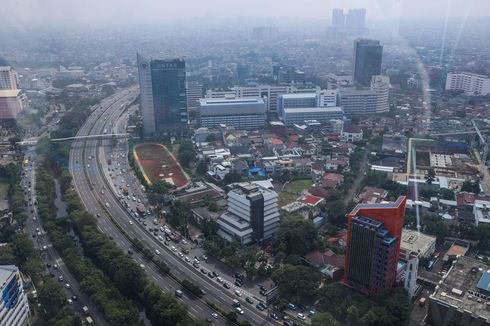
{"points": [[299, 185], [285, 198], [157, 164]]}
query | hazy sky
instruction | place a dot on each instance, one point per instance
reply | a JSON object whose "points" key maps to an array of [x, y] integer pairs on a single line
{"points": [[25, 12]]}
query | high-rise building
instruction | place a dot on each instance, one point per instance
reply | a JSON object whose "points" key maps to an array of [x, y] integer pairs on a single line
{"points": [[381, 85], [14, 308], [366, 61], [163, 95], [373, 245], [252, 214], [355, 19], [194, 93], [241, 113], [9, 80], [338, 18], [411, 274], [471, 84]]}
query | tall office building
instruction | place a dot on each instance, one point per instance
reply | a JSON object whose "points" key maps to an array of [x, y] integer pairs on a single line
{"points": [[338, 18], [366, 61], [14, 308], [163, 95], [373, 245], [471, 84], [356, 19], [194, 93], [252, 214], [381, 86], [358, 102], [9, 79]]}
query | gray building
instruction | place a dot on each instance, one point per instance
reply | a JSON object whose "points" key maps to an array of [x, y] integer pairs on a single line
{"points": [[323, 98], [320, 114], [163, 95], [356, 102], [463, 296], [241, 113], [366, 61], [252, 214]]}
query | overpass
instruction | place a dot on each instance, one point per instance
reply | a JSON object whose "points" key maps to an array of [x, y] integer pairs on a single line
{"points": [[33, 141]]}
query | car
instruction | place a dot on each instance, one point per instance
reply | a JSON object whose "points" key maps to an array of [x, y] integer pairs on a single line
{"points": [[311, 313], [187, 259], [204, 257], [184, 242], [274, 316], [70, 301], [226, 285], [262, 292], [55, 266], [202, 291], [39, 233], [173, 248], [98, 214], [34, 235], [181, 255], [239, 310], [48, 265], [74, 297], [196, 265], [263, 288], [249, 300], [211, 275], [214, 315], [215, 273], [204, 271], [166, 243], [291, 306], [288, 323], [130, 222], [157, 251], [238, 283], [238, 293], [67, 285], [219, 279], [301, 316], [260, 307]]}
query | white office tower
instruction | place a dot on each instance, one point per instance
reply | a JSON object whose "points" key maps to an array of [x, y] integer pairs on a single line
{"points": [[411, 274], [194, 93], [471, 84], [14, 308], [381, 85], [9, 80], [328, 98], [252, 214]]}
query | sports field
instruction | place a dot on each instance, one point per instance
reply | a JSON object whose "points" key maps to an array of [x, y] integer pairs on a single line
{"points": [[158, 164]]}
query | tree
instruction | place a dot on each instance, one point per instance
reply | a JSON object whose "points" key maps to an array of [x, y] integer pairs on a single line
{"points": [[232, 177], [323, 319], [296, 235], [471, 186], [186, 157], [201, 167], [22, 248], [297, 281], [447, 194], [353, 315], [211, 138], [434, 225], [51, 297], [431, 176]]}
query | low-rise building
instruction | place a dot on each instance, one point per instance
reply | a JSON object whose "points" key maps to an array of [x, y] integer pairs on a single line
{"points": [[462, 295], [11, 103], [241, 113], [293, 116], [351, 134], [416, 243]]}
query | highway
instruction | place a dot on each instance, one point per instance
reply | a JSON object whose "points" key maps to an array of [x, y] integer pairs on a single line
{"points": [[34, 228], [98, 193]]}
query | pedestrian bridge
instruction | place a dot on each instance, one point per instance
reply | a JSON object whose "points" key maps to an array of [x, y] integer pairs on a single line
{"points": [[33, 141]]}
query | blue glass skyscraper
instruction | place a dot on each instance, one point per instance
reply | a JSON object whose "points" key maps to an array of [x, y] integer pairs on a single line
{"points": [[163, 95]]}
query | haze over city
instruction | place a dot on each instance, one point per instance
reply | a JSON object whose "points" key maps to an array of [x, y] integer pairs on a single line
{"points": [[246, 162]]}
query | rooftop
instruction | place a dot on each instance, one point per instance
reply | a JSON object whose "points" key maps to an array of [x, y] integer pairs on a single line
{"points": [[228, 101], [414, 241], [332, 109], [459, 288], [9, 92], [298, 95]]}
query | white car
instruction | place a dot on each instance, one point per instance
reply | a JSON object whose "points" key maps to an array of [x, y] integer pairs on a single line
{"points": [[187, 259], [214, 315], [67, 285], [219, 279], [157, 251], [181, 255], [239, 310], [130, 222], [301, 316], [238, 293], [173, 248]]}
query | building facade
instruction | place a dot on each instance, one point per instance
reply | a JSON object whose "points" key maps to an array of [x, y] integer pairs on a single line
{"points": [[367, 61], [270, 92], [293, 116], [241, 113], [471, 84], [11, 103], [9, 79], [357, 102], [14, 308], [373, 246], [381, 86], [252, 214], [163, 95], [194, 93]]}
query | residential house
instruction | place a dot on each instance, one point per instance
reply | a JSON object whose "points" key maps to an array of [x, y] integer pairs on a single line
{"points": [[332, 180], [328, 262]]}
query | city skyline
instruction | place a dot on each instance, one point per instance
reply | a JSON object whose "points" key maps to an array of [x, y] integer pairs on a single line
{"points": [[29, 12]]}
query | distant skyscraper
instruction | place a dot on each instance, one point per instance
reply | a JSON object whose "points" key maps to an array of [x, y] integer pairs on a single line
{"points": [[367, 61], [163, 95], [8, 78], [373, 245], [355, 18], [381, 85], [338, 18]]}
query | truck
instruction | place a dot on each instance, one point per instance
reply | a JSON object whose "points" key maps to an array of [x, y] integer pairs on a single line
{"points": [[422, 302], [140, 210], [89, 320]]}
